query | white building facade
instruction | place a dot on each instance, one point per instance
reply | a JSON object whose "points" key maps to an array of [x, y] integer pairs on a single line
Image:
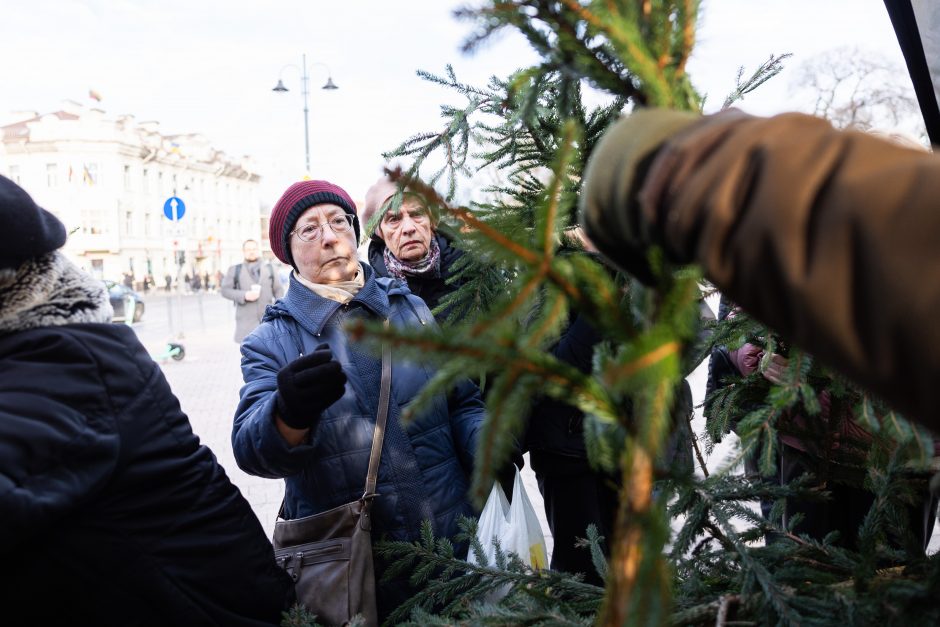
{"points": [[108, 178]]}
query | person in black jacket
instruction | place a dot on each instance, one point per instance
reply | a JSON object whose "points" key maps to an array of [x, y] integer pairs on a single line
{"points": [[575, 494], [111, 512], [406, 244]]}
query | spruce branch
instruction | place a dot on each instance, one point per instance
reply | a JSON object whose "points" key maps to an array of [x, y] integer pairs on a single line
{"points": [[457, 585], [764, 72]]}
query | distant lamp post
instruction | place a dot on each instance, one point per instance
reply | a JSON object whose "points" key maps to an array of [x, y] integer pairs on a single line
{"points": [[305, 78]]}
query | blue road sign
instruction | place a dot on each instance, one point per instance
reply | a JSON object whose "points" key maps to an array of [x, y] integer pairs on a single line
{"points": [[174, 205]]}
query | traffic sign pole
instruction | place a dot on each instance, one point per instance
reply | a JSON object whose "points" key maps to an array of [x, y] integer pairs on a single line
{"points": [[174, 209]]}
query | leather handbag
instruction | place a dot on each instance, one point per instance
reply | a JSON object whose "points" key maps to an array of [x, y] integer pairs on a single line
{"points": [[329, 555]]}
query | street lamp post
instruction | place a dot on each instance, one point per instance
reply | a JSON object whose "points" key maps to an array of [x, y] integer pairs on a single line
{"points": [[305, 78]]}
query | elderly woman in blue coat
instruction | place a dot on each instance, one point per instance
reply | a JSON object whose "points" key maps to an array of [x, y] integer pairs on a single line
{"points": [[308, 407]]}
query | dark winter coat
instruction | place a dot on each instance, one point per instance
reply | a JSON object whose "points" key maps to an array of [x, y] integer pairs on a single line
{"points": [[425, 466], [111, 512], [555, 431], [554, 426], [430, 289]]}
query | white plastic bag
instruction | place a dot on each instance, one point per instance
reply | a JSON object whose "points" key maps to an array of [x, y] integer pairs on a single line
{"points": [[494, 519], [514, 525], [524, 534]]}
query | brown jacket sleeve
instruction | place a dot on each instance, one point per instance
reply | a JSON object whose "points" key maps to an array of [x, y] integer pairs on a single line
{"points": [[830, 237]]}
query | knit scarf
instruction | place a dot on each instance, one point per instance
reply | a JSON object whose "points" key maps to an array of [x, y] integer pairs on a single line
{"points": [[430, 266], [341, 292]]}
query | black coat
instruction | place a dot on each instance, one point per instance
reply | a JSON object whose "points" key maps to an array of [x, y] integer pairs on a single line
{"points": [[555, 431], [429, 289], [111, 512], [555, 426]]}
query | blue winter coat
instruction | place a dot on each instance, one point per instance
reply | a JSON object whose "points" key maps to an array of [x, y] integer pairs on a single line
{"points": [[425, 467]]}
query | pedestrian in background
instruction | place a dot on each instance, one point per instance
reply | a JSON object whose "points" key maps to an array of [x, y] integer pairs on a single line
{"points": [[111, 511], [252, 286]]}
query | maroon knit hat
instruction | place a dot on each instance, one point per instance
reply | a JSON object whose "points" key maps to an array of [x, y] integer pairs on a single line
{"points": [[298, 198]]}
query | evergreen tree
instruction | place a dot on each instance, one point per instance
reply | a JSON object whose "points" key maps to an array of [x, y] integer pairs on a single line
{"points": [[515, 296]]}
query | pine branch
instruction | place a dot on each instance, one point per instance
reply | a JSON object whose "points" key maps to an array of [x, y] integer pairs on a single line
{"points": [[764, 72], [460, 584]]}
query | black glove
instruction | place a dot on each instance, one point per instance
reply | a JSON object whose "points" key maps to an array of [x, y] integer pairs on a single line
{"points": [[307, 386]]}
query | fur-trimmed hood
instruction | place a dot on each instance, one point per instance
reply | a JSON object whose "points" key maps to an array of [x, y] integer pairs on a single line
{"points": [[50, 291]]}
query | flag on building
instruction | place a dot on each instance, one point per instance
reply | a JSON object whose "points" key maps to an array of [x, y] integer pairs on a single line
{"points": [[94, 95]]}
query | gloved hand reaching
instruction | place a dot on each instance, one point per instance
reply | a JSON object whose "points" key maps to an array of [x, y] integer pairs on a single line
{"points": [[630, 177], [610, 209], [307, 386]]}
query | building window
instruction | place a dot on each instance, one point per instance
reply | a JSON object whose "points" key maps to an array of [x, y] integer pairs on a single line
{"points": [[127, 178], [52, 175], [15, 174], [93, 221], [147, 225], [128, 222], [146, 180]]}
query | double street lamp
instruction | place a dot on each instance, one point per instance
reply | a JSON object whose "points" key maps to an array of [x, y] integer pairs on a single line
{"points": [[305, 78]]}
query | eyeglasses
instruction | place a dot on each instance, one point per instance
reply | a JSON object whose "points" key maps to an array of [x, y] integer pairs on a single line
{"points": [[312, 232]]}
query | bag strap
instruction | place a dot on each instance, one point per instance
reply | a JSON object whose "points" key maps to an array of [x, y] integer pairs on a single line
{"points": [[378, 437], [236, 283]]}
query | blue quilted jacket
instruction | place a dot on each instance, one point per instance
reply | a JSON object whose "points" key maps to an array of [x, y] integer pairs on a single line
{"points": [[425, 467]]}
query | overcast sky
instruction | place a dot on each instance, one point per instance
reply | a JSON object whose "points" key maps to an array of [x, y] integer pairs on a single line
{"points": [[208, 67]]}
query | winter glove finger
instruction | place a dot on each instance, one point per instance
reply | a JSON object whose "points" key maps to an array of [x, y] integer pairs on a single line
{"points": [[321, 355], [776, 370], [333, 390], [312, 377]]}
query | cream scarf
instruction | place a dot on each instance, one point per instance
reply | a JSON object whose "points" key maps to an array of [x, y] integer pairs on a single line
{"points": [[341, 292]]}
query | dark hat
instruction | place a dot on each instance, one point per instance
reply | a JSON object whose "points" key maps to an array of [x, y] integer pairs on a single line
{"points": [[27, 230], [298, 198]]}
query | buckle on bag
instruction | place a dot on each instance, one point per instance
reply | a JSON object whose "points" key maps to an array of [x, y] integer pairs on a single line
{"points": [[286, 562]]}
